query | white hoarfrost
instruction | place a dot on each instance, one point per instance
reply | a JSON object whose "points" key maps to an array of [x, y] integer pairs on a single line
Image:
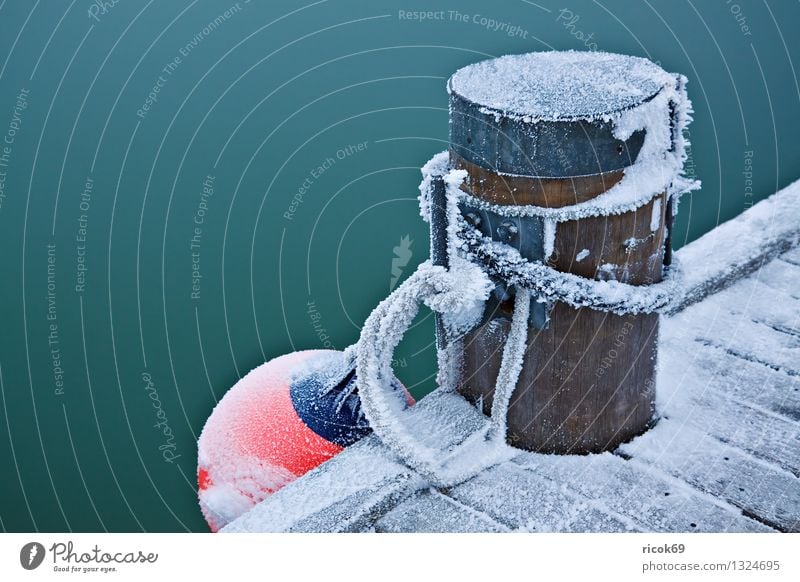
{"points": [[558, 85], [655, 217], [459, 294], [511, 364], [436, 166], [582, 255], [546, 283], [740, 245], [549, 238]]}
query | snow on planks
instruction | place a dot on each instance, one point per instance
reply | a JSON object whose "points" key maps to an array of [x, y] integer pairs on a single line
{"points": [[740, 246], [749, 382], [527, 501], [691, 396], [792, 257], [653, 500], [759, 489], [434, 512], [728, 395]]}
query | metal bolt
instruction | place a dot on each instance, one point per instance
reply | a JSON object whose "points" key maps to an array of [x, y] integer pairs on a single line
{"points": [[507, 230], [473, 219]]}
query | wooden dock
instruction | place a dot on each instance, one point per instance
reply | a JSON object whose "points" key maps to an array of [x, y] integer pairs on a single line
{"points": [[724, 455]]}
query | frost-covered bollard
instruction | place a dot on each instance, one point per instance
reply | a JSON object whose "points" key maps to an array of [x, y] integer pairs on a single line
{"points": [[563, 175]]}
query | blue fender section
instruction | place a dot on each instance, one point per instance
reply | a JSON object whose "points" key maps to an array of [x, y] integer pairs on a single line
{"points": [[335, 414]]}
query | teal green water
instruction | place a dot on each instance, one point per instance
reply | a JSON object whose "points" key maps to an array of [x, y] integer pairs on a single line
{"points": [[190, 188]]}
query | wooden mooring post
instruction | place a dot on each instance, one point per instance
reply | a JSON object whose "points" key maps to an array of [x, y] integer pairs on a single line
{"points": [[536, 131]]}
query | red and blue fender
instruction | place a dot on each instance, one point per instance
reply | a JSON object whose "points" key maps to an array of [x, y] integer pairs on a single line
{"points": [[277, 423]]}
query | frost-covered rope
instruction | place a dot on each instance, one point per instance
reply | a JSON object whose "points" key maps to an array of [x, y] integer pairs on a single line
{"points": [[380, 335], [506, 263], [511, 364], [385, 407], [545, 282]]}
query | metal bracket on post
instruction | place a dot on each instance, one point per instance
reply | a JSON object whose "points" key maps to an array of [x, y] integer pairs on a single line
{"points": [[439, 243], [669, 218], [524, 233]]}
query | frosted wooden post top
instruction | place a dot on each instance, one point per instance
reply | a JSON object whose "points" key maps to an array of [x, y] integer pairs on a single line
{"points": [[550, 114], [566, 86]]}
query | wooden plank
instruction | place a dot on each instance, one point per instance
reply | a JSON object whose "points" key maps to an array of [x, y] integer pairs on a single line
{"points": [[738, 335], [690, 397], [433, 512], [748, 356], [761, 490], [750, 383], [732, 250], [755, 298], [444, 419], [655, 502], [523, 500], [782, 276], [792, 256], [359, 510]]}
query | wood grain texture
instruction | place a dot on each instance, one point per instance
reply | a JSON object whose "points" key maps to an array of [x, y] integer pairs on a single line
{"points": [[508, 189]]}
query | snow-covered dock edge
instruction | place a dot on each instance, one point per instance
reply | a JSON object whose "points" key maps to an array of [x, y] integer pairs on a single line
{"points": [[738, 247]]}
